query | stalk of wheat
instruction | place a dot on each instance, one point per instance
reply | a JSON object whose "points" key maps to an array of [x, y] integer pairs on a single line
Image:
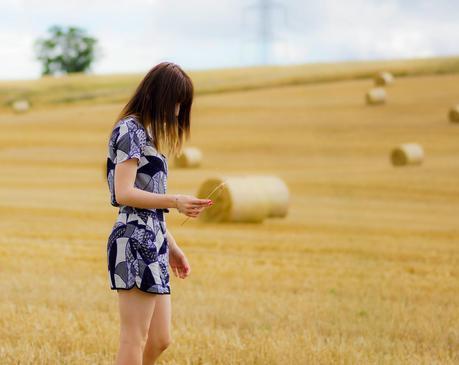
{"points": [[217, 188]]}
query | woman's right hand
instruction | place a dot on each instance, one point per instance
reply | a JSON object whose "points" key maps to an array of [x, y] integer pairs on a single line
{"points": [[190, 205]]}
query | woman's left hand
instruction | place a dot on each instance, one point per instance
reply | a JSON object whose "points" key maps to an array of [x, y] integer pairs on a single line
{"points": [[178, 262]]}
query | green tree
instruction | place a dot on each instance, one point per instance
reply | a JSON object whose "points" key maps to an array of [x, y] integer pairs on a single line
{"points": [[66, 50]]}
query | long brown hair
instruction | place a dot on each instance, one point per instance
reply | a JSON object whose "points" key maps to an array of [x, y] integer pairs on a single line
{"points": [[153, 104]]}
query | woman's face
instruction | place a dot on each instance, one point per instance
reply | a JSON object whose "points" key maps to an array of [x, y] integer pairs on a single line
{"points": [[177, 109]]}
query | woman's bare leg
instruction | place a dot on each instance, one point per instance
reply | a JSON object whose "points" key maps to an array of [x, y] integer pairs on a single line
{"points": [[159, 334], [136, 310]]}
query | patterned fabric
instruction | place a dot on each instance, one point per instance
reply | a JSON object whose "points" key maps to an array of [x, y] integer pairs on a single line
{"points": [[137, 247], [129, 140]]}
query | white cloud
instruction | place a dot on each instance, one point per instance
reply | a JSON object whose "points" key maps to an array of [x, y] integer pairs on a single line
{"points": [[136, 34], [17, 58], [361, 29]]}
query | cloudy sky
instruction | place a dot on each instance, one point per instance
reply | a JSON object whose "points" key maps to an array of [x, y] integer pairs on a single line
{"points": [[197, 34]]}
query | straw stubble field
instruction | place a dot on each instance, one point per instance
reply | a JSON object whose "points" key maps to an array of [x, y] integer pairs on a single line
{"points": [[363, 270]]}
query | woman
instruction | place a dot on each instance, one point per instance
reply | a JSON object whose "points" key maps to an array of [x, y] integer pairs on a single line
{"points": [[140, 247]]}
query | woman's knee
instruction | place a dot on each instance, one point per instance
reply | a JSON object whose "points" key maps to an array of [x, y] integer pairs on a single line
{"points": [[164, 343], [158, 344]]}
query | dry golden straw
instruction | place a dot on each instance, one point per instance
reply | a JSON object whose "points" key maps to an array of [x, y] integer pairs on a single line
{"points": [[376, 96], [454, 114], [190, 157], [383, 79], [407, 154]]}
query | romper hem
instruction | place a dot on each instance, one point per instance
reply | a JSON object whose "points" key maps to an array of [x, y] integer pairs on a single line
{"points": [[145, 291]]}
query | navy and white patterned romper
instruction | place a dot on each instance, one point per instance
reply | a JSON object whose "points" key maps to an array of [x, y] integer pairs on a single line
{"points": [[137, 247]]}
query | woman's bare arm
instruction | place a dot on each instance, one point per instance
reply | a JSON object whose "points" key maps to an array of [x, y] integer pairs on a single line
{"points": [[171, 239], [127, 194]]}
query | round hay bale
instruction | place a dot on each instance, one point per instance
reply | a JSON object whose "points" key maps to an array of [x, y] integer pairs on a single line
{"points": [[190, 157], [383, 79], [276, 192], [454, 114], [21, 106], [407, 154], [376, 96], [238, 200]]}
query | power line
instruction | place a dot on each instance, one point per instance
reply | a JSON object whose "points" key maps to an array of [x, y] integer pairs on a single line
{"points": [[266, 10]]}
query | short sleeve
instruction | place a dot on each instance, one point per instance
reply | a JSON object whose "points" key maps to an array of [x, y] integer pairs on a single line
{"points": [[129, 142]]}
